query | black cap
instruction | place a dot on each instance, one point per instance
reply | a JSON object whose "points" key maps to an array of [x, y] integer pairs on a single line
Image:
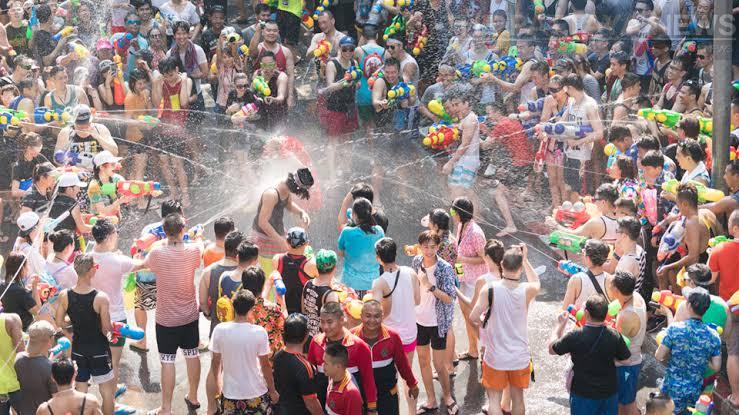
{"points": [[304, 178]]}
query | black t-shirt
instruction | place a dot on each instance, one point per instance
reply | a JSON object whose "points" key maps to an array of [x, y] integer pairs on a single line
{"points": [[23, 169], [41, 45], [593, 350], [18, 300], [294, 379], [209, 42], [61, 204], [35, 201]]}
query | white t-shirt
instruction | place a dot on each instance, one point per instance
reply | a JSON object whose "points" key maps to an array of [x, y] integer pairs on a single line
{"points": [[240, 346], [200, 58], [36, 262], [426, 309], [109, 279], [63, 273], [170, 15]]}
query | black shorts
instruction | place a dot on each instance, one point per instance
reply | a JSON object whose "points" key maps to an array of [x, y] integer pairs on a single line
{"points": [[387, 402], [572, 175], [289, 25], [185, 337], [428, 335], [99, 367]]}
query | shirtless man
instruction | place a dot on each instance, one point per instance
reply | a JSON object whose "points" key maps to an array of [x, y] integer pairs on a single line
{"points": [[68, 400], [327, 24], [695, 239], [526, 46]]}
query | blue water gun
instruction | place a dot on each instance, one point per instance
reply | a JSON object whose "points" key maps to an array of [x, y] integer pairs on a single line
{"points": [[570, 268], [67, 158]]}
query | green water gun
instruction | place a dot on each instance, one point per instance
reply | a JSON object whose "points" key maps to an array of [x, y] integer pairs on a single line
{"points": [[665, 117], [567, 241]]}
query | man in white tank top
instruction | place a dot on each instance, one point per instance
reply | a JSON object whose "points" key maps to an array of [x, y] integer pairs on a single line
{"points": [[602, 227], [632, 321], [628, 255], [399, 292], [580, 286], [505, 305], [462, 167]]}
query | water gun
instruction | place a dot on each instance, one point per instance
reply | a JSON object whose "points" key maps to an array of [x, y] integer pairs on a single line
{"points": [[65, 32], [412, 250], [540, 156], [704, 406], [735, 84], [690, 46], [705, 194], [374, 77], [578, 313], [318, 11], [441, 136], [401, 4], [665, 117], [421, 38], [243, 50], [580, 37], [132, 188], [397, 25], [155, 234], [322, 51], [667, 299], [352, 75], [562, 130], [6, 119], [649, 199], [20, 115], [401, 91], [506, 66], [572, 48], [671, 240], [571, 215], [67, 158], [612, 152], [567, 241], [119, 94], [80, 50], [436, 106], [539, 9], [124, 330], [570, 268], [32, 22], [280, 288], [718, 240], [233, 37], [260, 86], [706, 126], [61, 345], [734, 303], [51, 225], [532, 106], [733, 153], [44, 115], [90, 219], [129, 284], [307, 20], [614, 307], [249, 109], [149, 120], [123, 42]]}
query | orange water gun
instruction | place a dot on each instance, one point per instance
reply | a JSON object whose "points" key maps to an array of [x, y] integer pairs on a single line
{"points": [[119, 93], [667, 299], [323, 50]]}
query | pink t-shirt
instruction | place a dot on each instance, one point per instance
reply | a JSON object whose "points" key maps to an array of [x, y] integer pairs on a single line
{"points": [[109, 279], [175, 268], [471, 243]]}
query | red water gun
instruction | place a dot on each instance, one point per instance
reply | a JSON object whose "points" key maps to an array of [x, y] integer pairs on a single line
{"points": [[46, 291], [577, 313], [322, 51], [421, 38], [572, 215], [540, 156], [667, 299], [119, 93]]}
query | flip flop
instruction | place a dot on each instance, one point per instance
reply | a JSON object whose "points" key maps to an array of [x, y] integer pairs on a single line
{"points": [[452, 409], [467, 356], [423, 409], [191, 406], [138, 349]]}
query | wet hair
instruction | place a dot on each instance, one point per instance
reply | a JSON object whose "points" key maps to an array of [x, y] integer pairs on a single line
{"points": [[693, 88], [332, 308], [27, 140], [624, 282], [628, 204], [180, 25], [41, 170], [173, 224], [26, 83], [529, 39], [267, 54], [463, 208], [43, 13], [579, 4], [501, 13], [630, 226], [131, 14], [295, 329], [247, 251], [136, 75], [648, 142], [102, 229], [734, 218], [607, 192], [338, 353], [252, 279], [657, 402], [170, 206], [687, 192], [574, 80], [428, 236], [260, 8], [597, 307], [495, 250], [362, 215], [13, 264], [460, 91], [440, 218], [630, 79], [386, 249], [690, 126], [243, 301], [653, 158], [223, 226], [169, 64], [559, 26], [699, 300], [626, 166], [597, 251], [734, 167], [369, 31], [685, 63], [700, 274], [231, 243], [364, 190], [10, 87], [540, 67], [56, 70], [305, 177], [512, 259], [62, 370], [618, 133], [621, 57], [692, 149], [648, 3], [61, 239], [392, 62]]}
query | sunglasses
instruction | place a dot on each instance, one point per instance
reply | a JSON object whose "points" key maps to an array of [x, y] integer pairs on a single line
{"points": [[133, 22], [555, 90], [348, 49], [25, 66], [240, 86], [391, 47], [268, 65], [701, 56]]}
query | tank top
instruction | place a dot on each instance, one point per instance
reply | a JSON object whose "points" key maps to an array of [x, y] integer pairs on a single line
{"points": [[642, 64], [408, 59], [580, 20], [576, 116], [313, 296], [587, 289], [471, 157], [82, 408], [507, 329], [215, 277], [15, 102], [402, 312], [364, 94], [526, 88], [8, 380], [343, 99], [292, 269], [88, 336], [489, 278], [611, 228], [280, 59], [71, 101], [636, 341], [17, 38], [276, 219], [171, 105], [273, 114], [85, 147]]}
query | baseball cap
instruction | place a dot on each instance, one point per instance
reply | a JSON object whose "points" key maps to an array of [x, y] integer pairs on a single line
{"points": [[325, 260], [26, 222], [304, 178], [296, 237], [103, 44], [105, 157], [70, 179], [84, 115], [347, 41], [105, 65]]}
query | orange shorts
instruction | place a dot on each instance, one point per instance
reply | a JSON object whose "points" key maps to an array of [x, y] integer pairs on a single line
{"points": [[499, 379]]}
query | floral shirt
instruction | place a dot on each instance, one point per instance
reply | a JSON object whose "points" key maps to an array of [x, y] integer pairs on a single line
{"points": [[448, 247], [445, 279], [692, 344], [269, 316], [96, 195], [470, 244], [651, 192]]}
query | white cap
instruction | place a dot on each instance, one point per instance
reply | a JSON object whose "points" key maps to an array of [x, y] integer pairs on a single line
{"points": [[105, 157], [27, 221], [425, 221], [70, 179]]}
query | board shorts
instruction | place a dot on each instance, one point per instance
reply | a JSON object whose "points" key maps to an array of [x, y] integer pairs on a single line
{"points": [[500, 379], [462, 176], [145, 296], [185, 337]]}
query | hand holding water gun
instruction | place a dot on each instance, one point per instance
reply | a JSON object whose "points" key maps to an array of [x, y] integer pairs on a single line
{"points": [[64, 33], [532, 106], [51, 225], [441, 136], [506, 67], [540, 156], [567, 241], [150, 121], [480, 67], [119, 93], [279, 284], [539, 9], [665, 117], [374, 77], [667, 299], [420, 41], [80, 50], [614, 307], [119, 330], [577, 313], [352, 75], [718, 240], [671, 240], [561, 131], [123, 43], [705, 194], [706, 126], [571, 215], [307, 20], [6, 119], [61, 345], [322, 51], [67, 158], [261, 87], [46, 290], [572, 48], [397, 25], [90, 219], [44, 115], [243, 50], [132, 188], [570, 268], [436, 107], [401, 91]]}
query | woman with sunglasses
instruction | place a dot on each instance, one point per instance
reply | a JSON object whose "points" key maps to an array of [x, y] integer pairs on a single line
{"points": [[157, 45], [554, 106]]}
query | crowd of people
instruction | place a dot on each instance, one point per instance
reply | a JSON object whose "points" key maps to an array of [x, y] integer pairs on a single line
{"points": [[601, 111]]}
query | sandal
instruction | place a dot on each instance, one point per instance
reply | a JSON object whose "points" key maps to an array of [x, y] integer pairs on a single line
{"points": [[423, 409], [138, 349], [452, 409], [191, 406], [467, 356]]}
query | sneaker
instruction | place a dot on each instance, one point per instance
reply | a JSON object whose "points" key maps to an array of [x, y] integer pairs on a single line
{"points": [[656, 324], [122, 388], [124, 410]]}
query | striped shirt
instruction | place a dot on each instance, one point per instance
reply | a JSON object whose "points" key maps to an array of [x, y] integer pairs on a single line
{"points": [[175, 267]]}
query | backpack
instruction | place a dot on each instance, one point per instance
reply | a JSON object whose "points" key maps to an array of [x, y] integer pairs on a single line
{"points": [[224, 305], [371, 62]]}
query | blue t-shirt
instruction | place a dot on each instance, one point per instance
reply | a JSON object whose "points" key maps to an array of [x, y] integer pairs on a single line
{"points": [[360, 262], [692, 344]]}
